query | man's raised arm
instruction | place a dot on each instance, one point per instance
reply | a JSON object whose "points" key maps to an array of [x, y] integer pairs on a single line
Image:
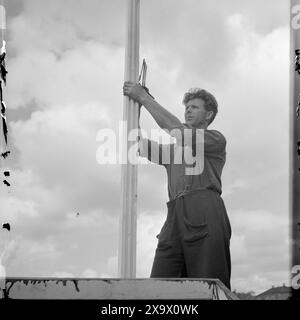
{"points": [[154, 152], [164, 118]]}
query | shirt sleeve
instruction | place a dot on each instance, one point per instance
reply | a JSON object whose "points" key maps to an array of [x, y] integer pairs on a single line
{"points": [[157, 153], [214, 141]]}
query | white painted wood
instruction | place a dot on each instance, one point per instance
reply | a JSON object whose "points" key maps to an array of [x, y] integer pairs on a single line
{"points": [[101, 289], [2, 18], [127, 237]]}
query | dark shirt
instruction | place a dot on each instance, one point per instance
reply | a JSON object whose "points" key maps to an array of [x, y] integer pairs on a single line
{"points": [[207, 169]]}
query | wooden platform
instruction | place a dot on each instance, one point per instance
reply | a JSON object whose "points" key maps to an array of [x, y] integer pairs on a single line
{"points": [[115, 289]]}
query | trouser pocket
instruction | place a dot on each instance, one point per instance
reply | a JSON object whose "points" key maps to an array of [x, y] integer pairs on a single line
{"points": [[194, 232], [167, 230], [195, 208]]}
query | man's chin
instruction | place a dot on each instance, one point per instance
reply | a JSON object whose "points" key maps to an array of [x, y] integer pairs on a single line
{"points": [[190, 122]]}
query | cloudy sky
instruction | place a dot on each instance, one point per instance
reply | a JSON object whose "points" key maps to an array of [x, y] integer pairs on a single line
{"points": [[66, 65]]}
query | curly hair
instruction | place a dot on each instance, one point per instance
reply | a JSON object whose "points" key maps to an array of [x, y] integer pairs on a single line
{"points": [[210, 102]]}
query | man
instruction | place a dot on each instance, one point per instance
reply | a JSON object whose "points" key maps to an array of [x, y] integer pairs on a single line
{"points": [[194, 240]]}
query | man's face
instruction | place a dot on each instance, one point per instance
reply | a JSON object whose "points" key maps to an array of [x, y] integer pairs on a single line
{"points": [[195, 113]]}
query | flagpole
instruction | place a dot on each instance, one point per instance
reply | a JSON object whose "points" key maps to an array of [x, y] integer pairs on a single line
{"points": [[127, 237]]}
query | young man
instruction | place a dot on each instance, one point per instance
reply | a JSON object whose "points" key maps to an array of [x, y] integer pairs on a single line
{"points": [[194, 240]]}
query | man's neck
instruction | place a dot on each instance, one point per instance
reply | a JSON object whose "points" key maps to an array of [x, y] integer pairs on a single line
{"points": [[200, 126]]}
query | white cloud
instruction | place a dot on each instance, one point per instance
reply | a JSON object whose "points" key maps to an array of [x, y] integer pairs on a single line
{"points": [[111, 268], [149, 225], [89, 273], [62, 274], [259, 249], [236, 185]]}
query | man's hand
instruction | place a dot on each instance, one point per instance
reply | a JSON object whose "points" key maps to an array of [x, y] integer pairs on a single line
{"points": [[134, 91], [164, 118]]}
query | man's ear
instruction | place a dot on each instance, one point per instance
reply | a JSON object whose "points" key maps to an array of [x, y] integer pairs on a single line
{"points": [[209, 115]]}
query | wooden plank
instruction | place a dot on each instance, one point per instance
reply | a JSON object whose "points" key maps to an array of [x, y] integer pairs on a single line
{"points": [[122, 289]]}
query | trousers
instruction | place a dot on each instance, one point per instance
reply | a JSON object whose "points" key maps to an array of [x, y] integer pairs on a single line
{"points": [[194, 241]]}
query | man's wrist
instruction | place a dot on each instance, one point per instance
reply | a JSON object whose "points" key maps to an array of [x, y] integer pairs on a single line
{"points": [[145, 98]]}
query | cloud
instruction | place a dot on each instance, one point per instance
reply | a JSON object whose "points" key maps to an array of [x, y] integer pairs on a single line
{"points": [[62, 274], [111, 268], [50, 155], [259, 259], [234, 187], [149, 225], [89, 273], [87, 75]]}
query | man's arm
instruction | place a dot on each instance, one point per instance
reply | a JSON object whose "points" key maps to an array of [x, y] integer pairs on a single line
{"points": [[154, 152], [164, 118], [213, 140]]}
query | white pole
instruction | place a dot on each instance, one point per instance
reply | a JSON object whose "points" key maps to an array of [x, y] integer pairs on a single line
{"points": [[127, 237]]}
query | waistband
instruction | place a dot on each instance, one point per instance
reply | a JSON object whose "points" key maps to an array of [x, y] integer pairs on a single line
{"points": [[188, 192]]}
